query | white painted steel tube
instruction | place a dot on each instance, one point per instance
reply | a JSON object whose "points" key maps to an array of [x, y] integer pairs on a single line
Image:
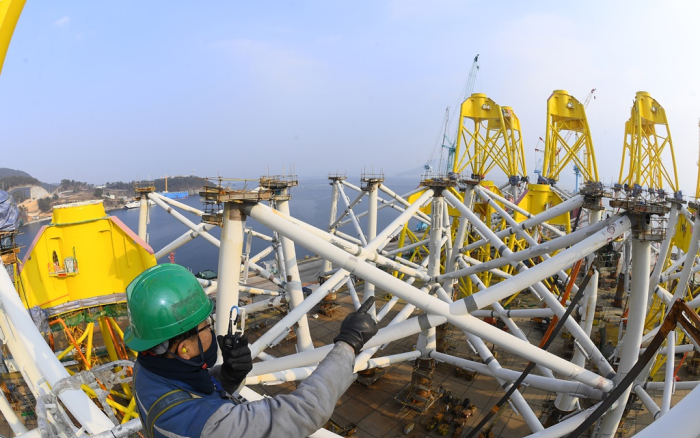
{"points": [[258, 235], [460, 237], [230, 253], [681, 421], [516, 397], [177, 215], [538, 287], [648, 402], [15, 424], [261, 255], [629, 353], [294, 314], [39, 363], [355, 222], [179, 205], [301, 373], [534, 380], [667, 278], [665, 245], [266, 274], [540, 219], [516, 313], [543, 248], [327, 265], [369, 252], [353, 294], [279, 256], [566, 426], [183, 239], [674, 266], [427, 339], [668, 378], [393, 332], [681, 386], [680, 291], [293, 286], [371, 234], [424, 301], [347, 211], [685, 348], [541, 271], [262, 305], [381, 362], [212, 286], [521, 233], [143, 218], [512, 326], [587, 311], [402, 199]]}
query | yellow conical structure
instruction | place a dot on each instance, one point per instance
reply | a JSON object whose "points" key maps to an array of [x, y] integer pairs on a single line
{"points": [[83, 258]]}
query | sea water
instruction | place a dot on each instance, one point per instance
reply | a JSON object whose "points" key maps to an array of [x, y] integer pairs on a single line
{"points": [[310, 203]]}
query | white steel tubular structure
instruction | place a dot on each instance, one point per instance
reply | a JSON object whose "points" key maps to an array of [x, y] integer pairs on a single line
{"points": [[423, 276]]}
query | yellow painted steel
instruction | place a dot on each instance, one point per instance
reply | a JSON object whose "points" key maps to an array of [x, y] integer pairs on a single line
{"points": [[488, 136], [538, 198], [647, 142], [82, 254], [565, 115], [10, 10]]}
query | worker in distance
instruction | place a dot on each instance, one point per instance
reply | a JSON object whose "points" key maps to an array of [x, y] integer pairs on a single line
{"points": [[180, 393]]}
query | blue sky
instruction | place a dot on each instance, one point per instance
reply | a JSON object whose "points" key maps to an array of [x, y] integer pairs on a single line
{"points": [[104, 91]]}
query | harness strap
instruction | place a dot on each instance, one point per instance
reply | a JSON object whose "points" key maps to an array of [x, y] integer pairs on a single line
{"points": [[163, 405]]}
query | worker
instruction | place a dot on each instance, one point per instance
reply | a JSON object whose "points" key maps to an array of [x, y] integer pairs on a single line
{"points": [[180, 393]]}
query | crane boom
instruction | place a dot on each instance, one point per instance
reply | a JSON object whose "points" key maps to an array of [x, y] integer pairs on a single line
{"points": [[468, 90]]}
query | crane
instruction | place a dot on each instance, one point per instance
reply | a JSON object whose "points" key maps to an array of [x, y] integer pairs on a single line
{"points": [[451, 145]]}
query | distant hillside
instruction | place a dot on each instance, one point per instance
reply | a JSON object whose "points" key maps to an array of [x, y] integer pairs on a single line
{"points": [[11, 178], [4, 171], [175, 184], [9, 182]]}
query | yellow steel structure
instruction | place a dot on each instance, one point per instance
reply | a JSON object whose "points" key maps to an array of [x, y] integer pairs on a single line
{"points": [[10, 11], [538, 198], [647, 141], [81, 255], [565, 115], [488, 136]]}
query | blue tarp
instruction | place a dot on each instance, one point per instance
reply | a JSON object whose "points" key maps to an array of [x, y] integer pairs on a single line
{"points": [[8, 212]]}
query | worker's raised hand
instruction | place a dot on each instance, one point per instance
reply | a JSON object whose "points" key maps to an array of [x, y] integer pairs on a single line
{"points": [[236, 355], [358, 327]]}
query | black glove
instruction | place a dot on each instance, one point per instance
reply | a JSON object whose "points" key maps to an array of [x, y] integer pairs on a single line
{"points": [[237, 360], [358, 327]]}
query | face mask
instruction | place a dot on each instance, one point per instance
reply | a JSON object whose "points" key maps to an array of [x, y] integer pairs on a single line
{"points": [[209, 357], [205, 360]]}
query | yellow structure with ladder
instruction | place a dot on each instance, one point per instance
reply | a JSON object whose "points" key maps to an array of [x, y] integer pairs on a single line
{"points": [[77, 270], [647, 142], [83, 256], [488, 136], [566, 115]]}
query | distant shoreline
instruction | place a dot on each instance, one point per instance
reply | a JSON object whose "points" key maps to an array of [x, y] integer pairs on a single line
{"points": [[38, 221]]}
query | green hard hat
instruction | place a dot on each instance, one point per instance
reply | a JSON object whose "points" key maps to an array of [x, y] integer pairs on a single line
{"points": [[163, 302]]}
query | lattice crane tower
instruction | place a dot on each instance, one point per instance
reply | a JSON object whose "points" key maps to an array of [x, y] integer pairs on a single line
{"points": [[647, 141], [566, 115]]}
